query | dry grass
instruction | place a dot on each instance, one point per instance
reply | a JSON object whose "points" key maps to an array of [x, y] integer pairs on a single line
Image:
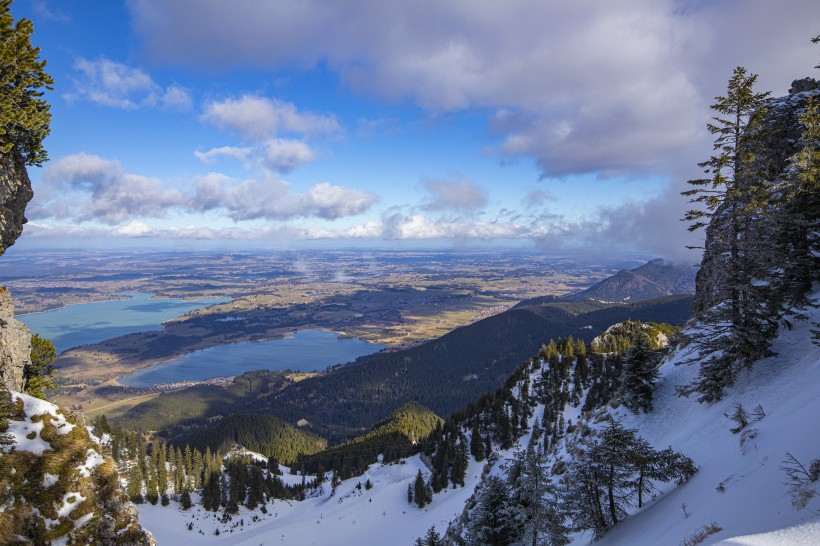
{"points": [[701, 534]]}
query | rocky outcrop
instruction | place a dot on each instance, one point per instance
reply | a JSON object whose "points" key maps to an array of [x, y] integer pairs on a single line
{"points": [[15, 345], [782, 132], [58, 483], [15, 193]]}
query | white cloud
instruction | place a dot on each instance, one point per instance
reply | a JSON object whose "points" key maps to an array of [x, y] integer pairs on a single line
{"points": [[117, 85], [458, 194], [177, 98], [100, 189], [85, 187], [213, 154], [258, 118], [582, 86], [283, 155], [273, 199]]}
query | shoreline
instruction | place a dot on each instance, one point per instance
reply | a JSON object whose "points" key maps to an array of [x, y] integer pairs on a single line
{"points": [[287, 334], [125, 296]]}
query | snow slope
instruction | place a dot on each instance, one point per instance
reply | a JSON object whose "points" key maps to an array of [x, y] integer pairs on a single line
{"points": [[755, 506], [375, 517]]}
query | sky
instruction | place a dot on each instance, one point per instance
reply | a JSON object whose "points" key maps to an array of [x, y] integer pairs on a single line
{"points": [[539, 124]]}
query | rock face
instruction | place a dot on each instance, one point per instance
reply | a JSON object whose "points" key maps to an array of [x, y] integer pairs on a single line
{"points": [[15, 345], [15, 193], [783, 132]]}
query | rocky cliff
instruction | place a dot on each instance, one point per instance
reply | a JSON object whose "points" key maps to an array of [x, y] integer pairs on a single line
{"points": [[782, 131], [15, 345], [15, 193]]}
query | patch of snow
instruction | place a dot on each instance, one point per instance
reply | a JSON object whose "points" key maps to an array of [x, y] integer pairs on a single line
{"points": [[49, 480], [807, 534], [70, 502], [93, 459], [25, 436]]}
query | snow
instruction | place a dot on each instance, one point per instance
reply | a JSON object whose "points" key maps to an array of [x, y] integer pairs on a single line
{"points": [[807, 534], [70, 501], [26, 437], [92, 460], [379, 516], [755, 505], [25, 433], [49, 480]]}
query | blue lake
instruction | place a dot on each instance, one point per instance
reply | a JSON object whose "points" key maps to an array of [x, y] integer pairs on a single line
{"points": [[76, 325], [305, 350]]}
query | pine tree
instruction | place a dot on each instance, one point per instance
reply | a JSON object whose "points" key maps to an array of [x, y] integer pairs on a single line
{"points": [[134, 488], [533, 493], [495, 520], [640, 372], [432, 538], [162, 470], [38, 374], [420, 491], [24, 115], [737, 331], [476, 442]]}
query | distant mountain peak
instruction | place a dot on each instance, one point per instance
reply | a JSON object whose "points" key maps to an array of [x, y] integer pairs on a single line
{"points": [[653, 279]]}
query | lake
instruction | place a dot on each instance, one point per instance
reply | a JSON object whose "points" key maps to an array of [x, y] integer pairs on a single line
{"points": [[83, 324], [305, 350]]}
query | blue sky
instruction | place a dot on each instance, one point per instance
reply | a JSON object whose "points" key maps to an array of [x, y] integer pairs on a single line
{"points": [[529, 123]]}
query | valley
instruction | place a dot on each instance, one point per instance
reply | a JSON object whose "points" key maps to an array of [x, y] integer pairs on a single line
{"points": [[388, 298]]}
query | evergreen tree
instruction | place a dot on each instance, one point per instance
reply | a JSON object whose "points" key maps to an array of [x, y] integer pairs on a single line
{"points": [[495, 520], [134, 488], [476, 442], [24, 114], [162, 470], [185, 500], [533, 493], [432, 538], [737, 331], [420, 491], [640, 372], [38, 374]]}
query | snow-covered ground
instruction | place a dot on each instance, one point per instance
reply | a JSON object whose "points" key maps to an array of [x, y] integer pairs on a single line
{"points": [[753, 506], [363, 517]]}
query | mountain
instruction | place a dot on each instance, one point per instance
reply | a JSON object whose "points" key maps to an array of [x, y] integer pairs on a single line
{"points": [[652, 280]]}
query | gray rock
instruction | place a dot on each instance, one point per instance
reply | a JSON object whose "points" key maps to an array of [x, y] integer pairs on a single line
{"points": [[15, 345], [801, 86], [15, 193]]}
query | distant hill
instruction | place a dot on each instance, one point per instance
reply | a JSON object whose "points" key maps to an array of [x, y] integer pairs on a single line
{"points": [[263, 434], [393, 438], [651, 280]]}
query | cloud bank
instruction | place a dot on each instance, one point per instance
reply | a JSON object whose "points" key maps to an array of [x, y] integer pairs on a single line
{"points": [[85, 187]]}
